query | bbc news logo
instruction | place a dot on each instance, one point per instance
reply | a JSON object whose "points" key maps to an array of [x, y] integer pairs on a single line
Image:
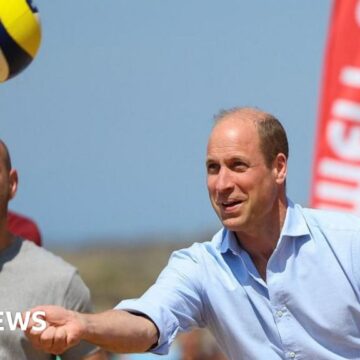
{"points": [[21, 321]]}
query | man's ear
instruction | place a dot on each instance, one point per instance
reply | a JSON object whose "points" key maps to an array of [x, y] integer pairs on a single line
{"points": [[280, 168], [13, 183]]}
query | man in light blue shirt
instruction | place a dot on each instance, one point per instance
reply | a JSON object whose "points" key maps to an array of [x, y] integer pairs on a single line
{"points": [[277, 282]]}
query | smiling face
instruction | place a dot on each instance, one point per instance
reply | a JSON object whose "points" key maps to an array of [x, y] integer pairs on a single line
{"points": [[243, 190]]}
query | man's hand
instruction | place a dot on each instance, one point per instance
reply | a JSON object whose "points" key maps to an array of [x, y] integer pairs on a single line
{"points": [[64, 329], [112, 330]]}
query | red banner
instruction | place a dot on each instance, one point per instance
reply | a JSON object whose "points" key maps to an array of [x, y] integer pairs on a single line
{"points": [[336, 173]]}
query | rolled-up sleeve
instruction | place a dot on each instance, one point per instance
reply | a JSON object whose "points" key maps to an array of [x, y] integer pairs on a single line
{"points": [[174, 302]]}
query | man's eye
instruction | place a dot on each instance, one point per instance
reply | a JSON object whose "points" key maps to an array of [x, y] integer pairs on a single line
{"points": [[212, 168], [240, 166]]}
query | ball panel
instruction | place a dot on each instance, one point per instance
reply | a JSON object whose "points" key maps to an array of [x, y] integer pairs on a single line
{"points": [[32, 6], [16, 58], [20, 36], [4, 68], [21, 24]]}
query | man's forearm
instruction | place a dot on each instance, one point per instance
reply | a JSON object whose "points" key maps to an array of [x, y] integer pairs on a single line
{"points": [[119, 331]]}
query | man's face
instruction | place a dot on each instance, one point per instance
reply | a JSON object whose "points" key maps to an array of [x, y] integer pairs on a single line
{"points": [[241, 187]]}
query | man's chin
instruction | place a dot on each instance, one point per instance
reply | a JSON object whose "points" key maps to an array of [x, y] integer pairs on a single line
{"points": [[233, 224]]}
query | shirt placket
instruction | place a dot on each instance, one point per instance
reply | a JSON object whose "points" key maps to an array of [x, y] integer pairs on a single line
{"points": [[283, 319]]}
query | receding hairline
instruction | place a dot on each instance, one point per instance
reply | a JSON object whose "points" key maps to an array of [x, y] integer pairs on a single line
{"points": [[271, 133], [253, 114]]}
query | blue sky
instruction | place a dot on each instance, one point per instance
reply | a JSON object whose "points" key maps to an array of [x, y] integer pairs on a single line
{"points": [[108, 126]]}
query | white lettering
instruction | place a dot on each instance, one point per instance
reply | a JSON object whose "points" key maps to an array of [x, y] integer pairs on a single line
{"points": [[346, 109], [38, 317], [339, 170], [343, 138], [345, 144], [18, 320], [350, 76], [337, 192]]}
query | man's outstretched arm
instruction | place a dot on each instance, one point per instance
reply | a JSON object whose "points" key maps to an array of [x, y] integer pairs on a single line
{"points": [[113, 330]]}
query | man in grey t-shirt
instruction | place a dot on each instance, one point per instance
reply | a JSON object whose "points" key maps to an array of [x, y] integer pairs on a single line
{"points": [[30, 276]]}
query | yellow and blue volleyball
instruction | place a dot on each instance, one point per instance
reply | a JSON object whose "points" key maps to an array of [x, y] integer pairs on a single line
{"points": [[20, 36]]}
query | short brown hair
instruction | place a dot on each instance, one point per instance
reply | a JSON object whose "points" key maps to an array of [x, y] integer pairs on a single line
{"points": [[272, 135]]}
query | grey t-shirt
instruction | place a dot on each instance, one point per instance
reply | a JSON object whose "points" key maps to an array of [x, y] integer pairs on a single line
{"points": [[31, 276]]}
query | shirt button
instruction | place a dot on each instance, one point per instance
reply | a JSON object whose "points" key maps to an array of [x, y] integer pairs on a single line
{"points": [[292, 355], [279, 313]]}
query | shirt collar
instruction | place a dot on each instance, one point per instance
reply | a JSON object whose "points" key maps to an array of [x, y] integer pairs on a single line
{"points": [[294, 226], [229, 242]]}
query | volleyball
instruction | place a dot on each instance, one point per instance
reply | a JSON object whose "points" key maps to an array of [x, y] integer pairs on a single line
{"points": [[20, 36]]}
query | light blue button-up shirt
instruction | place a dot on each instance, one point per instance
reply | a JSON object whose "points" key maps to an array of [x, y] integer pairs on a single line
{"points": [[309, 308]]}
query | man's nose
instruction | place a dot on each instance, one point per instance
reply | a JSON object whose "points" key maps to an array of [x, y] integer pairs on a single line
{"points": [[224, 181]]}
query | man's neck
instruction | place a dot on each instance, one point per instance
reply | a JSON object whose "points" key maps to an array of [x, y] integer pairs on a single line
{"points": [[6, 237], [260, 242]]}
